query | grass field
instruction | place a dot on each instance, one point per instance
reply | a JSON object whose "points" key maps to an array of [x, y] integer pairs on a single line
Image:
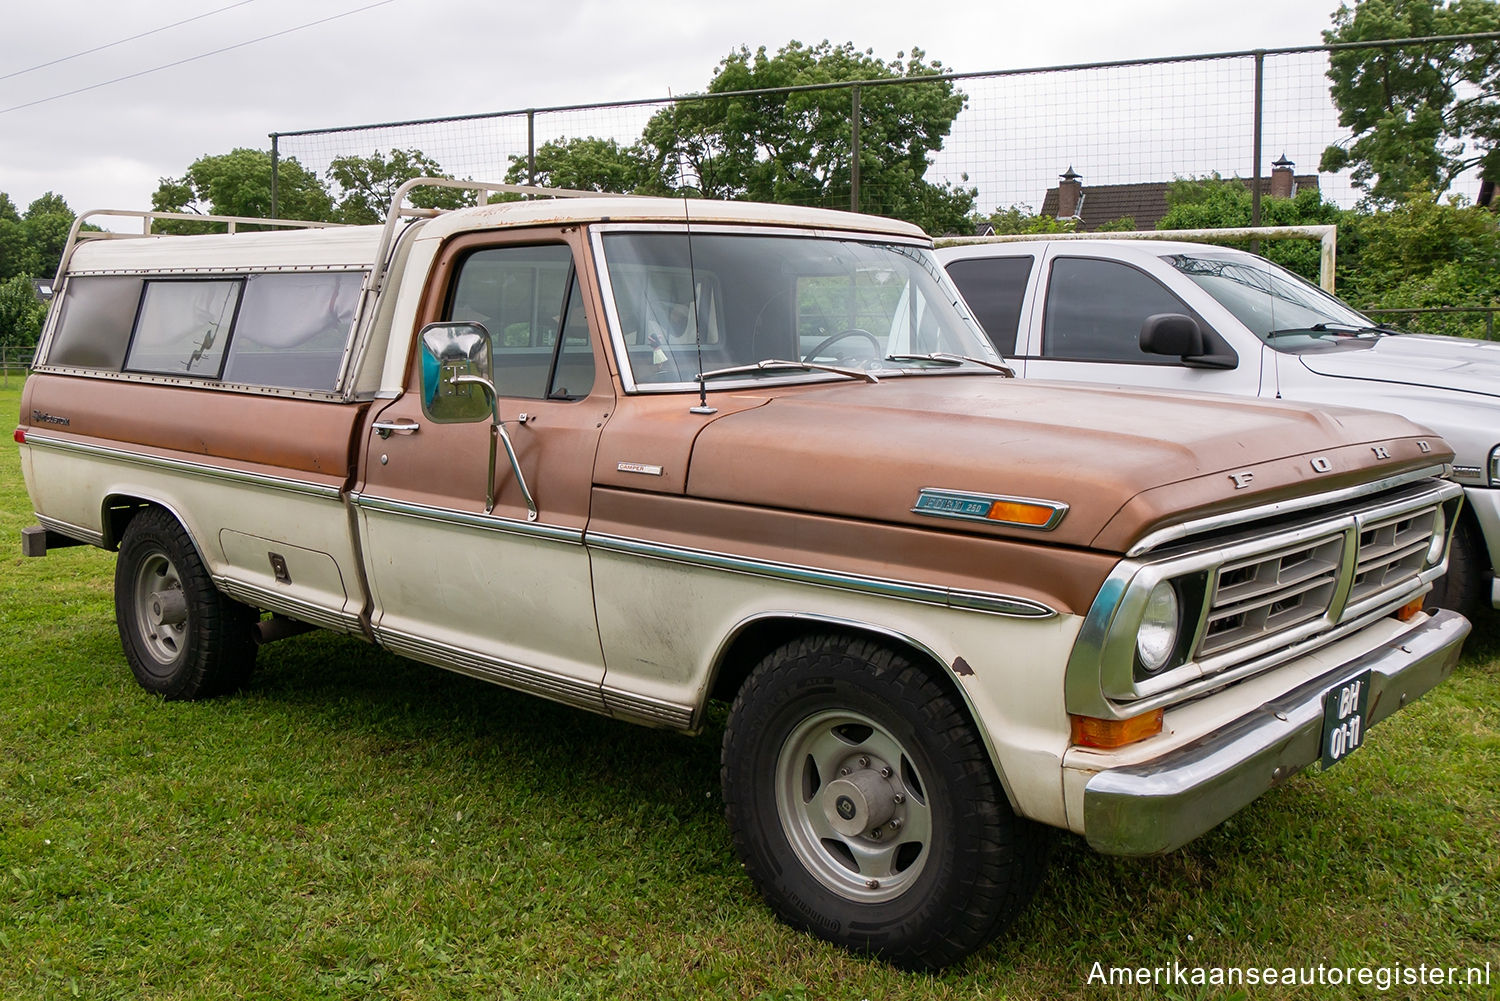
{"points": [[358, 826]]}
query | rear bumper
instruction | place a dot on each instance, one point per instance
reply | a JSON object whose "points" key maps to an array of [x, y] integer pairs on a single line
{"points": [[1162, 804]]}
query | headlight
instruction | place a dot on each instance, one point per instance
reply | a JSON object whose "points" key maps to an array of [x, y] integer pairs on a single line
{"points": [[1495, 466], [1157, 636]]}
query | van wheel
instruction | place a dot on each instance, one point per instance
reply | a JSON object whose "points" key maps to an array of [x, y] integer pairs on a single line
{"points": [[864, 806], [1465, 588], [182, 637]]}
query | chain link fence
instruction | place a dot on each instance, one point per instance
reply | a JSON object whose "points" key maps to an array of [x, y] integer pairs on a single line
{"points": [[1127, 122]]}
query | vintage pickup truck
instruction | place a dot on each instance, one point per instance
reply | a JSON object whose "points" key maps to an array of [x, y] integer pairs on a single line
{"points": [[1075, 310], [639, 454]]}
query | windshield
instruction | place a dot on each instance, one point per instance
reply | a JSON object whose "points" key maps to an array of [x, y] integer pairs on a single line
{"points": [[718, 303], [1270, 300]]}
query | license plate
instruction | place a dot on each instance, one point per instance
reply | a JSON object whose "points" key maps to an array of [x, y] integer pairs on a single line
{"points": [[1344, 709]]}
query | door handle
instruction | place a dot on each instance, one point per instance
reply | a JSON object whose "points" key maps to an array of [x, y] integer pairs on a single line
{"points": [[386, 428]]}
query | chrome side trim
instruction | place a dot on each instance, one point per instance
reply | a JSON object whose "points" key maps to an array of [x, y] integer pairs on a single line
{"points": [[211, 385], [185, 466], [534, 681], [72, 531], [644, 709], [467, 519], [1164, 803], [928, 594], [293, 607], [1173, 533]]}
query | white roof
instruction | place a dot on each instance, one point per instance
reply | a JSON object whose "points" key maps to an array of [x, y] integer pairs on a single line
{"points": [[619, 208], [354, 247], [334, 247]]}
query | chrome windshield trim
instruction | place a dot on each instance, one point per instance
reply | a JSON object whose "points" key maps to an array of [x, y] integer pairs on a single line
{"points": [[1173, 533], [975, 601], [185, 466], [469, 519]]}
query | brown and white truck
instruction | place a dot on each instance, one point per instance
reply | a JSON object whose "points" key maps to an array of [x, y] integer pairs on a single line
{"points": [[636, 455]]}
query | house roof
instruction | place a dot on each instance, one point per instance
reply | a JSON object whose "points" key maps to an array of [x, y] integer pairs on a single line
{"points": [[1145, 202]]}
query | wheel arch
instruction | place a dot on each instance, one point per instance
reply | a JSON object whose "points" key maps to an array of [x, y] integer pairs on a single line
{"points": [[119, 508], [756, 636]]}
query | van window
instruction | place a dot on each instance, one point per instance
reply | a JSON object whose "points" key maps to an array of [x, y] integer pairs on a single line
{"points": [[183, 328], [94, 319], [994, 288], [292, 330]]}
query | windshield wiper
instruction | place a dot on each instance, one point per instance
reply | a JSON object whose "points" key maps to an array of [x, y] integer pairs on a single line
{"points": [[775, 364], [1340, 329], [943, 358]]}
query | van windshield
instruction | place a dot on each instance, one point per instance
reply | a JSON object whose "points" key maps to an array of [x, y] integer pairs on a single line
{"points": [[1277, 305], [719, 303]]}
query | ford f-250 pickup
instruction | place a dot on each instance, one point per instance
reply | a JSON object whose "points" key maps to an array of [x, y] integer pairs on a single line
{"points": [[640, 454]]}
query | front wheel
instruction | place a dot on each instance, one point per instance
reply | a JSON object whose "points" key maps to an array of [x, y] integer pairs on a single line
{"points": [[183, 638], [864, 806], [1465, 588]]}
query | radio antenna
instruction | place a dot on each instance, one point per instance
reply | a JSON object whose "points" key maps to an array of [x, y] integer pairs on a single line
{"points": [[702, 407]]}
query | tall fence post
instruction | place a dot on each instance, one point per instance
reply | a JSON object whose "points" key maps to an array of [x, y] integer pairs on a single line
{"points": [[275, 169], [854, 148], [531, 146], [1255, 154]]}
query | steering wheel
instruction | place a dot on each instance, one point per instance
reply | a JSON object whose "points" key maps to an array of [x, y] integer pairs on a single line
{"points": [[833, 339]]}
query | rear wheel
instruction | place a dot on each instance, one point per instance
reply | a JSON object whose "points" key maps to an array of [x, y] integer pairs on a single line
{"points": [[865, 808], [183, 638]]}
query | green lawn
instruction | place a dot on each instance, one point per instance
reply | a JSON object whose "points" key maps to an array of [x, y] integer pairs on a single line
{"points": [[355, 825]]}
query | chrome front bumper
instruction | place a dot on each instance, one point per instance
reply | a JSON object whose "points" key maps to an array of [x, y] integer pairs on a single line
{"points": [[1162, 804]]}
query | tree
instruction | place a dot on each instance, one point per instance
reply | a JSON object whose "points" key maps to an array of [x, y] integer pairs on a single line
{"points": [[1020, 219], [238, 183], [796, 146], [1423, 254], [1421, 115], [20, 314], [367, 184], [1219, 203], [588, 164], [14, 251]]}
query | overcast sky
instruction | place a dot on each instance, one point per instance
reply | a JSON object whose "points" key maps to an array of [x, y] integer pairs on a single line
{"points": [[107, 146]]}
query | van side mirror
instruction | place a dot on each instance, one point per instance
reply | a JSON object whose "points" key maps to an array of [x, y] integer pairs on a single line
{"points": [[451, 350], [1180, 336]]}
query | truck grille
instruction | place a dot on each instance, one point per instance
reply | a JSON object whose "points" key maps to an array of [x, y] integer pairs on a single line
{"points": [[1261, 592], [1259, 602]]}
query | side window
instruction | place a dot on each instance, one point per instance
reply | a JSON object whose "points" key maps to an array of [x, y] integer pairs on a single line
{"points": [[1095, 310], [524, 297], [95, 316], [994, 288], [183, 328], [292, 330]]}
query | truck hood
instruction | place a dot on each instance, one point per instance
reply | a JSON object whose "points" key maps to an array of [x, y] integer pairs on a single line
{"points": [[1453, 364], [1123, 461]]}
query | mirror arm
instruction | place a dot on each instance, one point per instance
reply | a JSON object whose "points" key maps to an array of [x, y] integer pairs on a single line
{"points": [[497, 430]]}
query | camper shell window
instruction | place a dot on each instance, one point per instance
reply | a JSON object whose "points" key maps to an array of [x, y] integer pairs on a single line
{"points": [[281, 330]]}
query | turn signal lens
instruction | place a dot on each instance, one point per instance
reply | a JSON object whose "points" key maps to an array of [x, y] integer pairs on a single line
{"points": [[1111, 733], [1021, 513], [1411, 609]]}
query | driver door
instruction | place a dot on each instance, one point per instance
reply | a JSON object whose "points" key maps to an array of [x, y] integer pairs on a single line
{"points": [[499, 594]]}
